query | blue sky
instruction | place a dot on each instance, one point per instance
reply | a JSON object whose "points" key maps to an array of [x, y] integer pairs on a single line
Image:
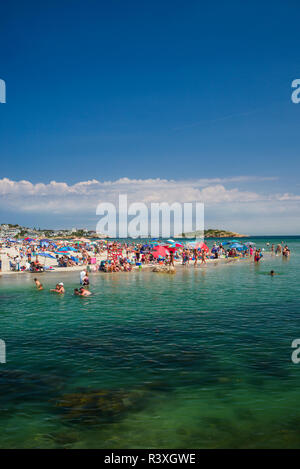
{"points": [[143, 90]]}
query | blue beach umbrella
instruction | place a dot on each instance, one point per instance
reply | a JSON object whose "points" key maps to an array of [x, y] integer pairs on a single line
{"points": [[64, 253], [44, 254], [238, 247], [67, 248]]}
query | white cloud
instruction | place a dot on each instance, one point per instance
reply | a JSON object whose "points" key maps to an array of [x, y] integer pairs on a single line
{"points": [[232, 208], [59, 196]]}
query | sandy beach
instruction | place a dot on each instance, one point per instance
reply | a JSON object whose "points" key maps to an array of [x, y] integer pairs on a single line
{"points": [[6, 254]]}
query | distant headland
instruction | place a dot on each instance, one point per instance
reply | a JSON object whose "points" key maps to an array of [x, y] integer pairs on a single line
{"points": [[213, 233]]}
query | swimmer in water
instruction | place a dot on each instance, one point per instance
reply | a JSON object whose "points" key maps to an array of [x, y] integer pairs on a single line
{"points": [[59, 288], [38, 284], [84, 292], [272, 273], [76, 291]]}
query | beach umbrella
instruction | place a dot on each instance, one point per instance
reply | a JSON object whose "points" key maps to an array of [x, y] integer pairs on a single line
{"points": [[232, 241], [171, 248], [45, 254], [238, 246], [67, 248], [203, 246], [159, 251], [64, 253]]}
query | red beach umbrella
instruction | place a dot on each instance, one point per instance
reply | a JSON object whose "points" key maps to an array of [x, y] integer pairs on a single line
{"points": [[170, 248], [202, 246], [159, 251]]}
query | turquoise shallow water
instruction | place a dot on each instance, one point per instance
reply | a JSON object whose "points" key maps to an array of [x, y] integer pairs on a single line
{"points": [[201, 359]]}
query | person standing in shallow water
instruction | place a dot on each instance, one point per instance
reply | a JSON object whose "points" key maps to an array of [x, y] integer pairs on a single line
{"points": [[85, 280], [82, 275], [195, 257], [172, 258], [258, 255]]}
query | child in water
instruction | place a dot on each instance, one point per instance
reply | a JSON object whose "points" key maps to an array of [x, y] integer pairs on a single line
{"points": [[38, 284], [59, 288]]}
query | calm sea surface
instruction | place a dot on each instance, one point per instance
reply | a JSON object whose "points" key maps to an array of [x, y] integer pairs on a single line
{"points": [[200, 359]]}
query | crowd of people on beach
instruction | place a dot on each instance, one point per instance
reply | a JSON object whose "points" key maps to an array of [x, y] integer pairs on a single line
{"points": [[116, 256]]}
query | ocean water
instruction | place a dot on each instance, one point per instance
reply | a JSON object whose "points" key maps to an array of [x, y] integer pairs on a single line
{"points": [[200, 359]]}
